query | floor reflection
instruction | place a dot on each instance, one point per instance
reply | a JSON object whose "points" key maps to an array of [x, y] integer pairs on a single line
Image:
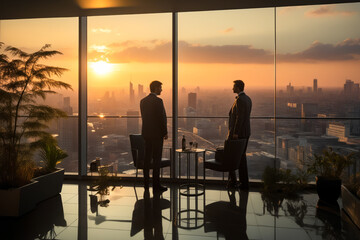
{"points": [[38, 224], [226, 217], [135, 213]]}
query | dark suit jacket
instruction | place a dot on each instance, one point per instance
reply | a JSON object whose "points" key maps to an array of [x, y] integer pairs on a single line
{"points": [[154, 124], [239, 117]]}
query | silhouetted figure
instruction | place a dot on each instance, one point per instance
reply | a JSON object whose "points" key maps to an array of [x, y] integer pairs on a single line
{"points": [[154, 131], [226, 218], [239, 128], [147, 215], [152, 217]]}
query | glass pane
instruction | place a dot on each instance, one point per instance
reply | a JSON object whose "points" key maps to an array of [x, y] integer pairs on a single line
{"points": [[126, 53], [318, 61], [31, 35], [216, 48], [297, 140]]}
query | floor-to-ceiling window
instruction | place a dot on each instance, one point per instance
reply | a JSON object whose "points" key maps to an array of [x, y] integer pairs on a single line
{"points": [[318, 59], [31, 35], [125, 54], [216, 48], [314, 75]]}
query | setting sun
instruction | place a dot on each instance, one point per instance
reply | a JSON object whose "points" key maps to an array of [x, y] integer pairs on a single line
{"points": [[101, 67]]}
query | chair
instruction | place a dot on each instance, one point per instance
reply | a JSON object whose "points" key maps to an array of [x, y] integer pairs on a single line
{"points": [[230, 159], [137, 143]]}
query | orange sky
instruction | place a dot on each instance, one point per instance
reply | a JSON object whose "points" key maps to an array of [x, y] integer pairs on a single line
{"points": [[215, 47]]}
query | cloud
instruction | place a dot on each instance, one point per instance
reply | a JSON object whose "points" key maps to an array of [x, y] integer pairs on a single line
{"points": [[286, 10], [101, 30], [160, 51], [230, 29], [325, 11], [349, 49]]}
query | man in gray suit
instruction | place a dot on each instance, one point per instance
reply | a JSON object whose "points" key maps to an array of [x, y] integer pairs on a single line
{"points": [[154, 131], [239, 128]]}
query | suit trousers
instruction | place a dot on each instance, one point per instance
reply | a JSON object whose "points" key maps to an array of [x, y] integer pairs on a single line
{"points": [[243, 170], [153, 154]]}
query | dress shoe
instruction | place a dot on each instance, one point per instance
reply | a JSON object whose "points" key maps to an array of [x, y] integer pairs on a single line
{"points": [[159, 188]]}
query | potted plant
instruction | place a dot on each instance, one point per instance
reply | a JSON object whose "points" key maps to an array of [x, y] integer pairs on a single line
{"points": [[24, 79], [280, 185], [351, 199], [49, 177], [328, 168]]}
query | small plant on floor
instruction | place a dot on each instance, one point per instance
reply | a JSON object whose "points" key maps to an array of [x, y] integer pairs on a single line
{"points": [[102, 184], [329, 164], [283, 181]]}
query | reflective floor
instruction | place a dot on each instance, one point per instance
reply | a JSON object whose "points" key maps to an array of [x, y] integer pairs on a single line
{"points": [[129, 212]]}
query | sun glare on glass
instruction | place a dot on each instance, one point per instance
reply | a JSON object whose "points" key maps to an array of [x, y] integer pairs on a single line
{"points": [[101, 67]]}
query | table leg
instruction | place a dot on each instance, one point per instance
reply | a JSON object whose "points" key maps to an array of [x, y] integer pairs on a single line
{"points": [[188, 165], [179, 165], [196, 166]]}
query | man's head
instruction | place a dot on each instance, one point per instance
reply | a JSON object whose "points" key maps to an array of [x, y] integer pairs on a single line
{"points": [[238, 86], [155, 87]]}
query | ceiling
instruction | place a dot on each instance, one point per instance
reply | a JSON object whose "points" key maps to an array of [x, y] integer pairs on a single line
{"points": [[15, 9]]}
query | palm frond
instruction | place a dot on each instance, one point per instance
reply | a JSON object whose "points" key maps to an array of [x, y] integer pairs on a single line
{"points": [[46, 113], [48, 71], [51, 83], [16, 52], [34, 125], [35, 134]]}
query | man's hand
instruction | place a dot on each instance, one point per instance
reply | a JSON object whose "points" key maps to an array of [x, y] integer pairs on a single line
{"points": [[235, 136], [166, 137]]}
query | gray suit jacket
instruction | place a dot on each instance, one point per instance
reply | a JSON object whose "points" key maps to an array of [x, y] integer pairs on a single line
{"points": [[239, 117], [154, 123]]}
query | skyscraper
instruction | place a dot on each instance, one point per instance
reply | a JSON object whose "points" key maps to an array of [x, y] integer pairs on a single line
{"points": [[192, 100], [289, 89], [66, 107], [315, 86], [351, 89], [141, 93], [132, 93]]}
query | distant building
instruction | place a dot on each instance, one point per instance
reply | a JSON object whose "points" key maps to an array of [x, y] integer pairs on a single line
{"points": [[289, 89], [141, 93], [308, 110], [189, 122], [315, 86], [192, 100], [131, 93], [351, 89], [66, 107], [339, 130]]}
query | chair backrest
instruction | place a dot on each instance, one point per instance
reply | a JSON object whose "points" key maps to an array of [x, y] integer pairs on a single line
{"points": [[137, 143], [233, 150]]}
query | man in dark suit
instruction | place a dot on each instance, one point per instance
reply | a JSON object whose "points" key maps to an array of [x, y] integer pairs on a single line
{"points": [[154, 131], [239, 128]]}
